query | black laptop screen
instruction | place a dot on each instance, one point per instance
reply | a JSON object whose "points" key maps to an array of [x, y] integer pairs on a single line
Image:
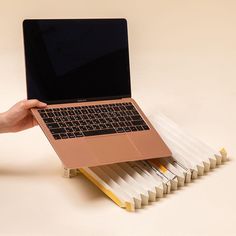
{"points": [[71, 60]]}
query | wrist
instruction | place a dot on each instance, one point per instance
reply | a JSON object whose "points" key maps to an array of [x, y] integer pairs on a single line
{"points": [[3, 123]]}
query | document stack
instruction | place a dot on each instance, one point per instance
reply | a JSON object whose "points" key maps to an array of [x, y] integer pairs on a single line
{"points": [[131, 185]]}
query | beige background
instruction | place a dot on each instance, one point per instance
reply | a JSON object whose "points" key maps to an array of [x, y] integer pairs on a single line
{"points": [[183, 63]]}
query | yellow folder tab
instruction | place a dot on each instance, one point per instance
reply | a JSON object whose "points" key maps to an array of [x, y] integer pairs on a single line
{"points": [[162, 168]]}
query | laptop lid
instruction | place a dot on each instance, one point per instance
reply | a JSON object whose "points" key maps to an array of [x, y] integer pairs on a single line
{"points": [[72, 60]]}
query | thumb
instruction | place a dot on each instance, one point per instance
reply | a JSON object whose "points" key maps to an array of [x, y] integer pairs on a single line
{"points": [[33, 103]]}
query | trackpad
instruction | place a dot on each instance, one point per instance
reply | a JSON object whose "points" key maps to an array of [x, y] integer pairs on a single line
{"points": [[111, 149]]}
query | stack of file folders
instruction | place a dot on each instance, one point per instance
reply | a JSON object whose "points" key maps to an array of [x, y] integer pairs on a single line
{"points": [[132, 185]]}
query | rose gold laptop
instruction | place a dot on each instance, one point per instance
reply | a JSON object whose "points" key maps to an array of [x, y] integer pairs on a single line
{"points": [[80, 67]]}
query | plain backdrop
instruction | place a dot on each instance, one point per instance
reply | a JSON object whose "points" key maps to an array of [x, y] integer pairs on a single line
{"points": [[183, 63]]}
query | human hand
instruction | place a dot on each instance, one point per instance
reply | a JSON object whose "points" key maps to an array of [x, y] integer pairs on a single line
{"points": [[19, 116]]}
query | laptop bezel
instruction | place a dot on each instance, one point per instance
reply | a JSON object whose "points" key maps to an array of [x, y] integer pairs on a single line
{"points": [[77, 100]]}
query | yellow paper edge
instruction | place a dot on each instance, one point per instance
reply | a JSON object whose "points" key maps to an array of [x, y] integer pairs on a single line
{"points": [[105, 190], [223, 153], [129, 206]]}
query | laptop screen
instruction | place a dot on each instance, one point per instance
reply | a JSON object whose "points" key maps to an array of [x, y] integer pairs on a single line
{"points": [[77, 59]]}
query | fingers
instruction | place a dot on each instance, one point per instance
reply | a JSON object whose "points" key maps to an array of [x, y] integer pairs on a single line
{"points": [[35, 123], [27, 104]]}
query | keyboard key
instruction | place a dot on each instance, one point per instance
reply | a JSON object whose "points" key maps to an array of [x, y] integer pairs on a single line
{"points": [[78, 134], [83, 128], [122, 124], [128, 113], [52, 125], [44, 115], [57, 136], [98, 116], [136, 117], [121, 118], [103, 109], [71, 113], [68, 129], [102, 126], [115, 119], [109, 120], [84, 111], [82, 122], [85, 117], [115, 125], [75, 123], [63, 136], [139, 127], [145, 127], [95, 127], [127, 118], [78, 112], [91, 116], [64, 113], [120, 130], [78, 117], [116, 109], [130, 107], [64, 119], [127, 123], [56, 113], [109, 126], [138, 122], [62, 124], [50, 114], [89, 127], [41, 111], [133, 128], [69, 124], [57, 119], [58, 131], [99, 132], [134, 112], [48, 120], [76, 129], [127, 129], [102, 120], [71, 135], [72, 118]]}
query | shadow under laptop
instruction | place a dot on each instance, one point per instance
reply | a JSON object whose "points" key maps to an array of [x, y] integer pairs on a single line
{"points": [[79, 190]]}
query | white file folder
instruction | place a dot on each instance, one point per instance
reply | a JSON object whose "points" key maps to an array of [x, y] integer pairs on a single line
{"points": [[132, 185]]}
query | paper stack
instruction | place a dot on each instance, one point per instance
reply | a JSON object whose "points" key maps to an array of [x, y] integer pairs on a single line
{"points": [[132, 185]]}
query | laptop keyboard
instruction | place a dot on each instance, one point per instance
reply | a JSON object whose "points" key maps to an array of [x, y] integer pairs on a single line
{"points": [[82, 121]]}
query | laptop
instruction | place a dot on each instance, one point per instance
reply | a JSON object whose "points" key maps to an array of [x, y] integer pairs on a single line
{"points": [[80, 68]]}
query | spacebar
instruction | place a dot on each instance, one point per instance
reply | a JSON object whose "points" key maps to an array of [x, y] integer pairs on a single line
{"points": [[98, 132]]}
